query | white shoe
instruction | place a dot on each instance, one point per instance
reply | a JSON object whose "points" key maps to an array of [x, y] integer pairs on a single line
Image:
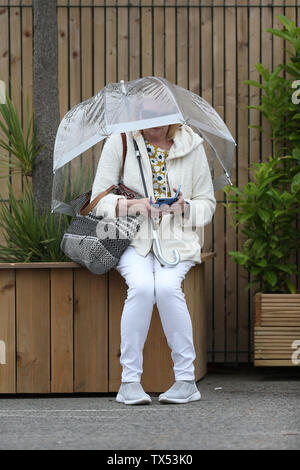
{"points": [[132, 393], [180, 392]]}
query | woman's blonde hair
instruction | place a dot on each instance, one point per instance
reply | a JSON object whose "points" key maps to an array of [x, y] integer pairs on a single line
{"points": [[173, 128], [172, 131]]}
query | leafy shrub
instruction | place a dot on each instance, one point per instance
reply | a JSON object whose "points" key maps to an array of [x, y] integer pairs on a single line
{"points": [[32, 234], [267, 209]]}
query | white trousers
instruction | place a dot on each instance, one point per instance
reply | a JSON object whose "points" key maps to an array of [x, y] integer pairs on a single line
{"points": [[149, 283]]}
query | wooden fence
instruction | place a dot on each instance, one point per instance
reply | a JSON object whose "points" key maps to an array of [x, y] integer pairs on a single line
{"points": [[204, 46]]}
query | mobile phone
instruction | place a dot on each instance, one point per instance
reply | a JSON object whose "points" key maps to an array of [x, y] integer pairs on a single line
{"points": [[165, 200]]}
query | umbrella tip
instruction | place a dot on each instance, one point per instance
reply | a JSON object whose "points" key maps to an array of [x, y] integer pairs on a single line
{"points": [[123, 86]]}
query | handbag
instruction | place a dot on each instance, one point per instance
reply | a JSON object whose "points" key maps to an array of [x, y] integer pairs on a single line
{"points": [[81, 241]]}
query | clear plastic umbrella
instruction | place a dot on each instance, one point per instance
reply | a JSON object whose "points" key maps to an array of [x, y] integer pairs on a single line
{"points": [[123, 107]]}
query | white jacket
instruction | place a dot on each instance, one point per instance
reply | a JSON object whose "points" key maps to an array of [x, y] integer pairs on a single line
{"points": [[187, 166]]}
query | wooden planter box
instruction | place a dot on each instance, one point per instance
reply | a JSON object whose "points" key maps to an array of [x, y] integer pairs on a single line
{"points": [[277, 330], [60, 330]]}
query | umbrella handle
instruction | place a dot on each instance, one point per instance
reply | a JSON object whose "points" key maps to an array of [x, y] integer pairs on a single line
{"points": [[160, 256]]}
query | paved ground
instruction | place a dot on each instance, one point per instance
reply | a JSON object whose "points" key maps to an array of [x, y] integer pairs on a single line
{"points": [[252, 409]]}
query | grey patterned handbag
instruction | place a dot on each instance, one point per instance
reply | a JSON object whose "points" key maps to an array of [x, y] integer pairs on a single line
{"points": [[98, 242]]}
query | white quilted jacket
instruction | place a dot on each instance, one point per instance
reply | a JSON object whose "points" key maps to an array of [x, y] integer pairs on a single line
{"points": [[186, 165]]}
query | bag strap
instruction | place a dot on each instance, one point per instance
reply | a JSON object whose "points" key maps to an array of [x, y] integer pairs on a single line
{"points": [[124, 141], [88, 206]]}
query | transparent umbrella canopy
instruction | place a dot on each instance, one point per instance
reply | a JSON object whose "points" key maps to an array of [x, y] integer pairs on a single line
{"points": [[123, 107]]}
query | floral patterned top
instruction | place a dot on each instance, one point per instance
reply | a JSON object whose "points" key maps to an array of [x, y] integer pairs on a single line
{"points": [[158, 158]]}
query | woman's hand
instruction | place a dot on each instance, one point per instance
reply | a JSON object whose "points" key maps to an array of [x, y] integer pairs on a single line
{"points": [[178, 207], [131, 206]]}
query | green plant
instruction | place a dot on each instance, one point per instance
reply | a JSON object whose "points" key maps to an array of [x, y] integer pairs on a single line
{"points": [[290, 33], [276, 102], [31, 234], [22, 146], [266, 210]]}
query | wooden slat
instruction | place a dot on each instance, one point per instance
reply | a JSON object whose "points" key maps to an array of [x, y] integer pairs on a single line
{"points": [[272, 362], [146, 38], [270, 339], [230, 237], [99, 51], [182, 47], [86, 49], [206, 32], [54, 264], [271, 344], [111, 45], [170, 42], [158, 40], [33, 330], [7, 332], [291, 297], [242, 155], [74, 76], [99, 64], [194, 46], [278, 51], [290, 12], [254, 118], [278, 316], [281, 323], [61, 330], [283, 331], [90, 332], [86, 71], [134, 41], [218, 103], [123, 42], [276, 313], [287, 304], [275, 343], [266, 60], [274, 355], [285, 299], [67, 264]]}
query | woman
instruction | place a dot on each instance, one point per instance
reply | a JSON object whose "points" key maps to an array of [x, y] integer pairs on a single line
{"points": [[171, 156]]}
